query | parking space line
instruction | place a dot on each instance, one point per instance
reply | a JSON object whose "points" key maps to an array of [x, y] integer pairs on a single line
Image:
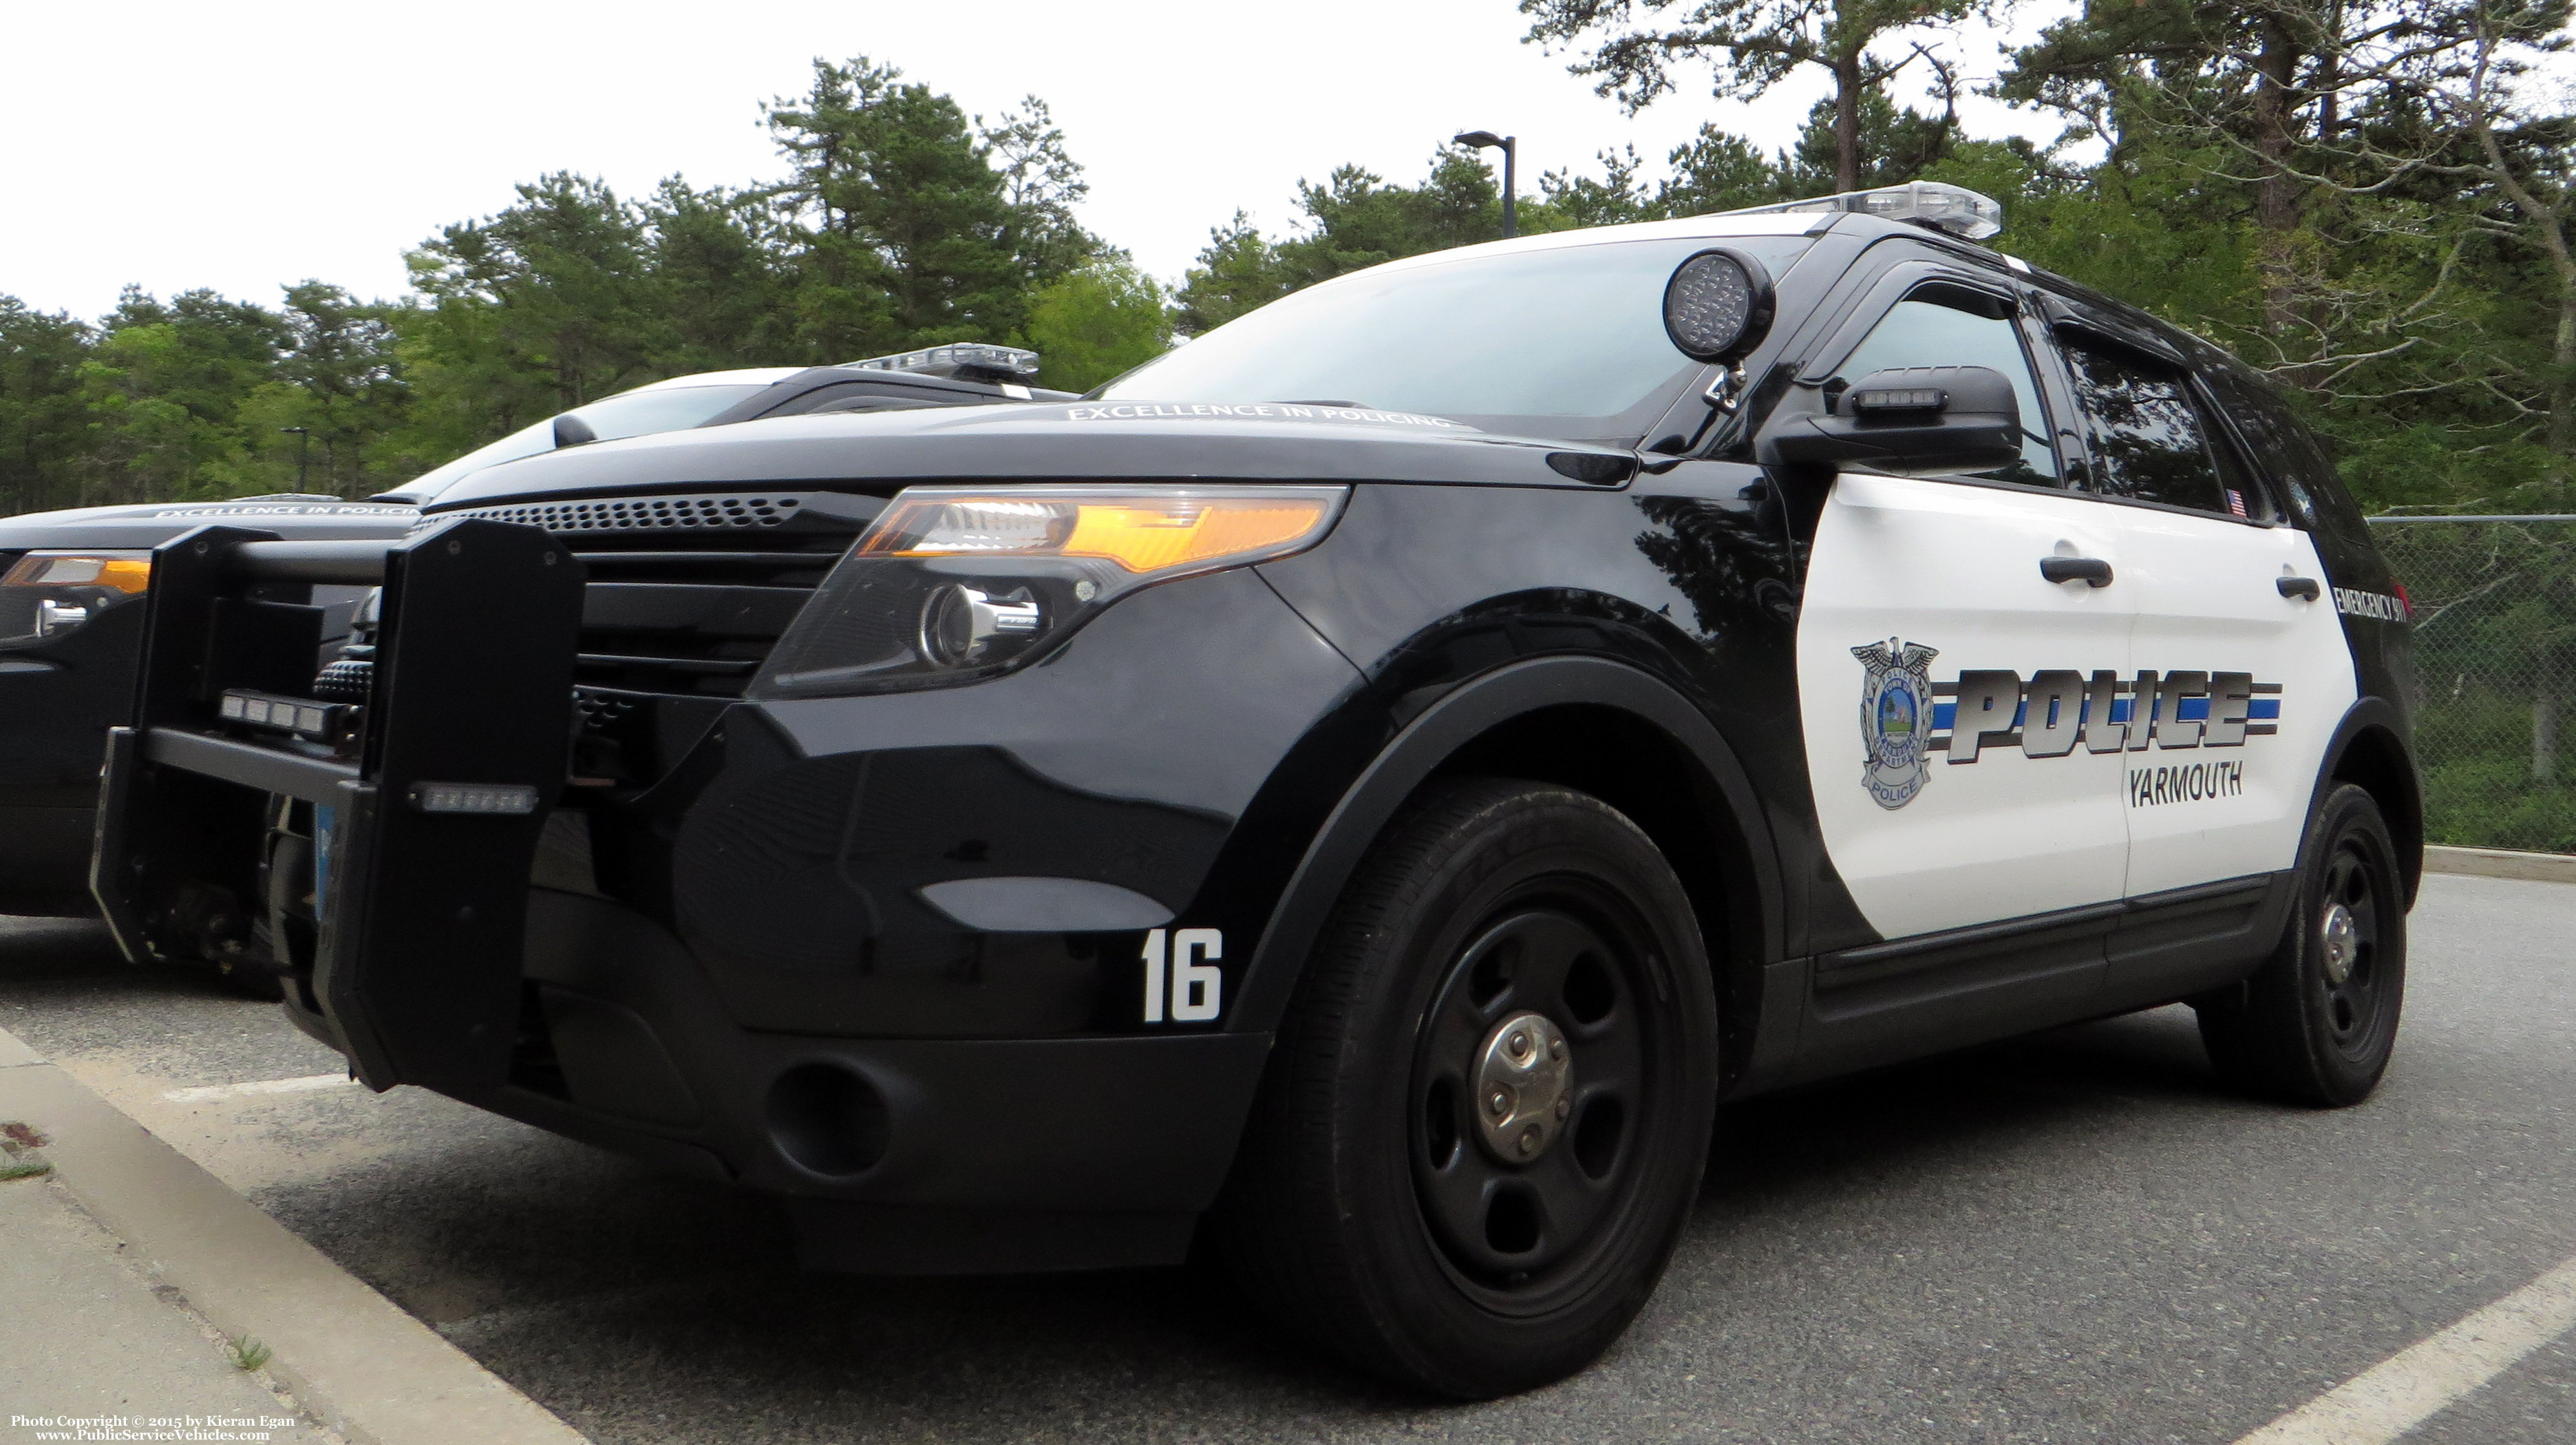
{"points": [[310, 1082], [2410, 1387]]}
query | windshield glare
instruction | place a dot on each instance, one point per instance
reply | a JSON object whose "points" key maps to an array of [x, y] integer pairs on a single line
{"points": [[627, 414], [1559, 343]]}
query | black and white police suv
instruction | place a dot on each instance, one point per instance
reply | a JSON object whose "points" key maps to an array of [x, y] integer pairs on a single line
{"points": [[1367, 784]]}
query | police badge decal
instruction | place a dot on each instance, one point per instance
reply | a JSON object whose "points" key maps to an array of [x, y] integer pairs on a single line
{"points": [[1895, 719]]}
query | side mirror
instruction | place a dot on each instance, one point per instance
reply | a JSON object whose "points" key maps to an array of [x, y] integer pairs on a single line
{"points": [[572, 431], [1910, 418]]}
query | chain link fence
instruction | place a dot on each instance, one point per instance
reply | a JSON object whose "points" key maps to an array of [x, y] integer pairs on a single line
{"points": [[2495, 657]]}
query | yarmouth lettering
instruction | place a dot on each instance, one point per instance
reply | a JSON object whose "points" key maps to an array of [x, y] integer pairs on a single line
{"points": [[2185, 783]]}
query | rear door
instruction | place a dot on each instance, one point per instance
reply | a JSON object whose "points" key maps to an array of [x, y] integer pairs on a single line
{"points": [[2241, 673]]}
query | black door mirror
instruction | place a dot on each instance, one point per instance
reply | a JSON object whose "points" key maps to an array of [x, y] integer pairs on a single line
{"points": [[572, 431], [1912, 418]]}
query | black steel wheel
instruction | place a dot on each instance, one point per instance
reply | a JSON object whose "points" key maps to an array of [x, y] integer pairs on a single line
{"points": [[2318, 1024], [1489, 1106]]}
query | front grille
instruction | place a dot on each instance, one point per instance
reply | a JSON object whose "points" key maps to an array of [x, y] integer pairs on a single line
{"points": [[640, 514], [687, 594]]}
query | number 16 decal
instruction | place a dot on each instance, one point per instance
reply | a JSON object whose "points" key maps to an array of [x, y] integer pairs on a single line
{"points": [[1197, 987]]}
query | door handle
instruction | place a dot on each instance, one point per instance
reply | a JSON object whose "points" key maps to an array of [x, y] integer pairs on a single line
{"points": [[2299, 587], [2092, 571]]}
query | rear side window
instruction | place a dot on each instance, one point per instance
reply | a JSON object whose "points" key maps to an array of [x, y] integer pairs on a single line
{"points": [[2149, 443], [2290, 453]]}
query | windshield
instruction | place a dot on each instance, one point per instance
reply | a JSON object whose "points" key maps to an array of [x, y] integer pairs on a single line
{"points": [[1558, 343], [627, 414]]}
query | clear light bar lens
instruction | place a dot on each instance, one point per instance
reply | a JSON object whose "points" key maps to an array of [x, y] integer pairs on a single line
{"points": [[942, 360], [319, 721], [1938, 204]]}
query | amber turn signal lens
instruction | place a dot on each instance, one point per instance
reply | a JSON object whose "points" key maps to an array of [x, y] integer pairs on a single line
{"points": [[1152, 537], [1142, 532]]}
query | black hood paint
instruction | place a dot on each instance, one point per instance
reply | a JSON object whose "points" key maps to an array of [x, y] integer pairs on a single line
{"points": [[150, 524], [1166, 441]]}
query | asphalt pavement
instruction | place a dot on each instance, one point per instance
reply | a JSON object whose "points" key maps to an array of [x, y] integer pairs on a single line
{"points": [[2075, 1237]]}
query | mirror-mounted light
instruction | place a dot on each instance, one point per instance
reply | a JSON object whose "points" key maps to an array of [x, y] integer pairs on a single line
{"points": [[1938, 204], [1717, 305]]}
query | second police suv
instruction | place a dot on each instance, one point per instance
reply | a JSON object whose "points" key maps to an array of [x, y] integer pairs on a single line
{"points": [[1365, 785]]}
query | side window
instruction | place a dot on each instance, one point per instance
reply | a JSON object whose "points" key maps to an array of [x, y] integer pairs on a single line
{"points": [[2150, 443], [1931, 328], [2289, 452]]}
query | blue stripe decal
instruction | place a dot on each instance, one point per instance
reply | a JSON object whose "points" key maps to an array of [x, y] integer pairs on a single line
{"points": [[1945, 715]]}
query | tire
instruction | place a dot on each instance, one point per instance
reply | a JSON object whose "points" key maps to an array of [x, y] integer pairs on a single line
{"points": [[2317, 1023], [1372, 1211]]}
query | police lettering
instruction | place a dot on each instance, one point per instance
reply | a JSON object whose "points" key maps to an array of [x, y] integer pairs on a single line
{"points": [[2057, 708]]}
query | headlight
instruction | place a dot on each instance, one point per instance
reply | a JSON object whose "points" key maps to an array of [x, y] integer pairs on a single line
{"points": [[952, 583], [46, 594]]}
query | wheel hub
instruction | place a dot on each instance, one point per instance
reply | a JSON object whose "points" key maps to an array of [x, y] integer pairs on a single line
{"points": [[2341, 936], [1524, 1085]]}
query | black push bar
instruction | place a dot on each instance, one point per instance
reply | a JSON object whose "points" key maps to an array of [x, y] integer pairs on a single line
{"points": [[417, 909]]}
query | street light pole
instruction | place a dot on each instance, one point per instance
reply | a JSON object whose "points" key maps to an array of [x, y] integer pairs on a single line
{"points": [[303, 453], [1510, 147]]}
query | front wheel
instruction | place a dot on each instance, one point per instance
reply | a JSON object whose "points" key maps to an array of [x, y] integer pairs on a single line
{"points": [[1489, 1105], [2317, 1024]]}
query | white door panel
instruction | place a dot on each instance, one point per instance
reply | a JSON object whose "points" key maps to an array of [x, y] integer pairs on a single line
{"points": [[2200, 808], [1982, 830]]}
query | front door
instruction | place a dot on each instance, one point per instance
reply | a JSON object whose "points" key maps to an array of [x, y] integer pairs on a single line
{"points": [[1955, 701]]}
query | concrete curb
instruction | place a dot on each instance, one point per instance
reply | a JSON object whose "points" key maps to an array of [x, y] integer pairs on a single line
{"points": [[366, 1369], [2501, 863]]}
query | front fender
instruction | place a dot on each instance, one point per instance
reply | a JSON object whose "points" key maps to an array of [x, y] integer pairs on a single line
{"points": [[1467, 712]]}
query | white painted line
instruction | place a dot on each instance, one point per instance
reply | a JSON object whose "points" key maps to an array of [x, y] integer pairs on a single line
{"points": [[2412, 1386], [304, 1085]]}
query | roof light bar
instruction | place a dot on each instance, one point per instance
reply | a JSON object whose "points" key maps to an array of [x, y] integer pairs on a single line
{"points": [[1937, 204], [974, 360]]}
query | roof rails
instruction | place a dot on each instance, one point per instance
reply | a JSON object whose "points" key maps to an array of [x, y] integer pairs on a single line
{"points": [[966, 360], [1937, 204]]}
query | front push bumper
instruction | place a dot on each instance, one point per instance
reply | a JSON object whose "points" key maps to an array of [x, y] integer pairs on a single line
{"points": [[416, 944]]}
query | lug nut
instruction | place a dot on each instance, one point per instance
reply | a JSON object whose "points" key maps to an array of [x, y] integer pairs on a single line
{"points": [[1498, 1104], [1529, 1140], [1519, 1044], [1564, 1107], [1556, 1048]]}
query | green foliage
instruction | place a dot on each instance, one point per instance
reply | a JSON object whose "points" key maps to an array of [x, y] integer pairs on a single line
{"points": [[900, 221], [1092, 324]]}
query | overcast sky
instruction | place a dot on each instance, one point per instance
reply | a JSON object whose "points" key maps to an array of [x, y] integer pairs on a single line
{"points": [[248, 145]]}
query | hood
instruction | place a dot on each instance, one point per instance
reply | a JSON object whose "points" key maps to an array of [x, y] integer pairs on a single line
{"points": [[1177, 441], [149, 524]]}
